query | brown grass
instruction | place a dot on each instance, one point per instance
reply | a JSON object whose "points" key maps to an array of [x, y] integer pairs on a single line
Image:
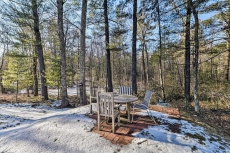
{"points": [[215, 118]]}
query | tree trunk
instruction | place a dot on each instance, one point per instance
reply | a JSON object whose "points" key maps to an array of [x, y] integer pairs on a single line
{"points": [[187, 55], [17, 89], [211, 69], [143, 62], [1, 69], [1, 86], [228, 61], [160, 54], [147, 65], [228, 42], [179, 75], [83, 99], [109, 73], [35, 77], [65, 101], [195, 60], [134, 49], [39, 49], [28, 91]]}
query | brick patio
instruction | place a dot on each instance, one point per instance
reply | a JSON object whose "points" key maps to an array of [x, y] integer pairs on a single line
{"points": [[124, 133]]}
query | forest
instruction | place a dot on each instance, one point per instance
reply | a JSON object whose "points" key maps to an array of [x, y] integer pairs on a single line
{"points": [[178, 49]]}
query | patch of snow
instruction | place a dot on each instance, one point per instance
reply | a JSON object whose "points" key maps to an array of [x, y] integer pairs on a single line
{"points": [[42, 128]]}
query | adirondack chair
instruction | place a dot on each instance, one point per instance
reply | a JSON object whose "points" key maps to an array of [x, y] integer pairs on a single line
{"points": [[105, 106], [144, 105]]}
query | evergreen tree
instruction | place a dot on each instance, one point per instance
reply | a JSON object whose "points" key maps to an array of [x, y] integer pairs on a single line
{"points": [[17, 76]]}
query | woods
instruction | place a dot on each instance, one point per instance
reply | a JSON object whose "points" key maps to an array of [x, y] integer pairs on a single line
{"points": [[178, 49]]}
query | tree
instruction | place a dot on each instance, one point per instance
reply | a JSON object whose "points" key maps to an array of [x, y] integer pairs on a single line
{"points": [[17, 76], [22, 17], [4, 39], [107, 45], [35, 76], [82, 52], [65, 101], [1, 69], [134, 49], [53, 74], [39, 49], [187, 55], [225, 16], [160, 52], [228, 39], [144, 34], [196, 58]]}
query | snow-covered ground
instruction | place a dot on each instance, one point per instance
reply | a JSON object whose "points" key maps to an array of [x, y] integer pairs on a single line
{"points": [[28, 128]]}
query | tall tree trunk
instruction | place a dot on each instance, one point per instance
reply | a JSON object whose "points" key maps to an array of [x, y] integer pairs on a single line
{"points": [[147, 65], [228, 41], [187, 55], [195, 60], [39, 49], [160, 54], [109, 73], [143, 63], [179, 75], [1, 69], [65, 101], [228, 61], [82, 52], [35, 76], [134, 49], [211, 69]]}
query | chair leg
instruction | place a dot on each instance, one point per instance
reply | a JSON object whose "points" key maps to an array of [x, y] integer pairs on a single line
{"points": [[128, 111], [119, 120], [113, 124], [150, 115], [91, 107], [132, 115], [98, 122]]}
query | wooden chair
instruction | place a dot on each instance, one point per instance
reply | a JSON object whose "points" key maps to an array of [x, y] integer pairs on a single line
{"points": [[127, 90], [93, 96], [105, 107], [144, 105]]}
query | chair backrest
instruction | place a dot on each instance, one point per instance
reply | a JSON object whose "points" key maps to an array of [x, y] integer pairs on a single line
{"points": [[148, 95], [93, 91], [105, 104], [127, 90]]}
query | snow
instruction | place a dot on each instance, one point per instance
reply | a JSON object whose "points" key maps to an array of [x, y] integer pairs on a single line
{"points": [[29, 128]]}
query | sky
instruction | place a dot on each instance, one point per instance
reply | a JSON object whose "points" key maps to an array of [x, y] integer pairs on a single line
{"points": [[26, 128]]}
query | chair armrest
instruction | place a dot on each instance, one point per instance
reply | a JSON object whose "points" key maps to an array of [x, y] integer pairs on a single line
{"points": [[140, 106]]}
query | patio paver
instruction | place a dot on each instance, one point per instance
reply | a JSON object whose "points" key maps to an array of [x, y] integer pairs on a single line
{"points": [[124, 133]]}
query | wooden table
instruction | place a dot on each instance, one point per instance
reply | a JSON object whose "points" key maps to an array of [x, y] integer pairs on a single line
{"points": [[125, 99]]}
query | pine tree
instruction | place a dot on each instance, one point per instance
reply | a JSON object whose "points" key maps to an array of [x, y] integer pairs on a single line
{"points": [[17, 76]]}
